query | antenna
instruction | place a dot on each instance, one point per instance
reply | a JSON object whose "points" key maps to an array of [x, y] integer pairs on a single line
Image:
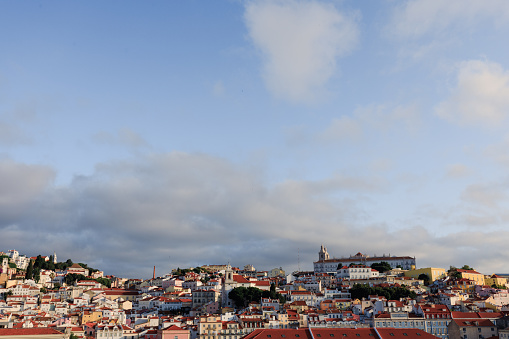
{"points": [[298, 259]]}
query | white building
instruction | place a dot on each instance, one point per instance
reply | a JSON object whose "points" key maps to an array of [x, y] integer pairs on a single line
{"points": [[357, 272], [327, 265]]}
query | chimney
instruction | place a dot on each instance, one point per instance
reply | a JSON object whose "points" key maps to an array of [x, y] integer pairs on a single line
{"points": [[154, 275]]}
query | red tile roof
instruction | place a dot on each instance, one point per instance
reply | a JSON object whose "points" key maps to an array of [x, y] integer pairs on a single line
{"points": [[28, 331]]}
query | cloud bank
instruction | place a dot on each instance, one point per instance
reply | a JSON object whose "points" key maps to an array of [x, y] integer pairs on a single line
{"points": [[180, 209]]}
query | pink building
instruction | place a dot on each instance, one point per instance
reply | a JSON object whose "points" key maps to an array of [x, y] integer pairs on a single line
{"points": [[173, 332]]}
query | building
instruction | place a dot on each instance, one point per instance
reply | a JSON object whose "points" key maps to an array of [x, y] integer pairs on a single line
{"points": [[433, 273], [475, 276], [464, 329], [327, 265], [357, 272]]}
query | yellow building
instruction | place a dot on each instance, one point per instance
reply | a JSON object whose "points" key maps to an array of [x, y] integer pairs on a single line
{"points": [[494, 279], [91, 316], [433, 273], [475, 276]]}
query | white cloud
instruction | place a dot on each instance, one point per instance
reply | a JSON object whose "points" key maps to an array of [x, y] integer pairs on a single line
{"points": [[300, 42], [481, 96], [372, 118], [485, 195], [416, 18]]}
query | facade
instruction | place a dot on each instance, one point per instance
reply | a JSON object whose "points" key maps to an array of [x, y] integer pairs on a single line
{"points": [[495, 279], [173, 332], [327, 265], [202, 297], [402, 320], [433, 273], [475, 276], [356, 272], [476, 329]]}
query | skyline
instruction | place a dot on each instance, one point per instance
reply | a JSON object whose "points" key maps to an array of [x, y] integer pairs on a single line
{"points": [[252, 132]]}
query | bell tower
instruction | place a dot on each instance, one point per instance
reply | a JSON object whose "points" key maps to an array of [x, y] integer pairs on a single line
{"points": [[228, 279], [323, 254]]}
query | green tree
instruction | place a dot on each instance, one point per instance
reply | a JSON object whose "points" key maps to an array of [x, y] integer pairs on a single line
{"points": [[272, 292], [242, 296], [499, 287], [466, 267], [359, 291], [71, 278], [453, 272], [105, 281], [12, 265], [30, 270], [73, 336], [424, 277], [382, 266]]}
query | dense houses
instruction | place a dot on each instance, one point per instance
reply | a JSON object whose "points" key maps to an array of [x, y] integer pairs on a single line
{"points": [[352, 300]]}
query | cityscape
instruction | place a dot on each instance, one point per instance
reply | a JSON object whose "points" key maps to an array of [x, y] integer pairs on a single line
{"points": [[254, 169], [358, 295]]}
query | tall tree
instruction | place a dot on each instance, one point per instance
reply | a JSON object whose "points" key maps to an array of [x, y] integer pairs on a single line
{"points": [[30, 270]]}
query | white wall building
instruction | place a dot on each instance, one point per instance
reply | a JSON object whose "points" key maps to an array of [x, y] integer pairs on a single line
{"points": [[357, 272]]}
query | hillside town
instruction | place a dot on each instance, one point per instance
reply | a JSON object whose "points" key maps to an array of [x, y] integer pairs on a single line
{"points": [[354, 296]]}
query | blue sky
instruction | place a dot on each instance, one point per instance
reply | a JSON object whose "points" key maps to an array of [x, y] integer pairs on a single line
{"points": [[135, 134]]}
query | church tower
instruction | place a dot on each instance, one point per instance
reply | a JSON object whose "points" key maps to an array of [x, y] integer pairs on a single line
{"points": [[228, 275], [323, 254], [55, 257]]}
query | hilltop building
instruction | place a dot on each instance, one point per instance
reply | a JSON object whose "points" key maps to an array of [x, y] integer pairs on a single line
{"points": [[327, 265]]}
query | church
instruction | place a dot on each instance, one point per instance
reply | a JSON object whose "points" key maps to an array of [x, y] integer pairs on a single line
{"points": [[327, 265]]}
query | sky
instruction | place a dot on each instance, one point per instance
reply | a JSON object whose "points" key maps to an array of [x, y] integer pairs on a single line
{"points": [[174, 134]]}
